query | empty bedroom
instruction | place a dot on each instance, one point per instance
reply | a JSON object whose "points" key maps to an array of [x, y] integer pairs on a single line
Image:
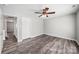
{"points": [[39, 28]]}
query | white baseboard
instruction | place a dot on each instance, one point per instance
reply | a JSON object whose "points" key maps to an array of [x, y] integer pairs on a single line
{"points": [[61, 37]]}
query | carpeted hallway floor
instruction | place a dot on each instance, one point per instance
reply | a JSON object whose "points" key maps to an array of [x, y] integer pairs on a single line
{"points": [[43, 44]]}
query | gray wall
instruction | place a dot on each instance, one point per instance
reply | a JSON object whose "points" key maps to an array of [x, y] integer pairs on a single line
{"points": [[61, 27], [31, 27], [77, 23], [1, 30]]}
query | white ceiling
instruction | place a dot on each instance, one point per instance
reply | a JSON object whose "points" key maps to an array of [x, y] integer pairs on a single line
{"points": [[29, 9]]}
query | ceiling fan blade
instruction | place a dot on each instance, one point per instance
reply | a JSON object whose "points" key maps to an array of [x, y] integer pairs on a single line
{"points": [[51, 13], [38, 12], [40, 16]]}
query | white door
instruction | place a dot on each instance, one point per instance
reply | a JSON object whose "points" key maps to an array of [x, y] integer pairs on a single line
{"points": [[1, 31], [10, 27]]}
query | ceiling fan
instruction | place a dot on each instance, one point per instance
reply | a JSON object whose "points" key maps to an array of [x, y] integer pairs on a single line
{"points": [[45, 12]]}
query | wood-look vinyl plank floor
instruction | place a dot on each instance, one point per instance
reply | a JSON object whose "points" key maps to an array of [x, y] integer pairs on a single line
{"points": [[43, 44]]}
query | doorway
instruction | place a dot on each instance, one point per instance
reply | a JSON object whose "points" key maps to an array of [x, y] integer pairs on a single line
{"points": [[10, 32]]}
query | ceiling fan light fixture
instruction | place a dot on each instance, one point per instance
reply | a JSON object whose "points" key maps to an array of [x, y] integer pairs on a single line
{"points": [[47, 8]]}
